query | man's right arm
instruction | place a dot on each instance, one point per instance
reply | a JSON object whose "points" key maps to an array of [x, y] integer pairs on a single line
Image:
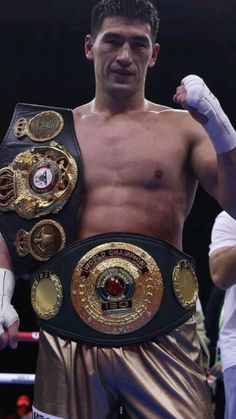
{"points": [[223, 266], [9, 320], [222, 255]]}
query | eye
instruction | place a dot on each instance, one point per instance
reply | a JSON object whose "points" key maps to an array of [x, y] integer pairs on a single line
{"points": [[113, 41], [139, 45]]}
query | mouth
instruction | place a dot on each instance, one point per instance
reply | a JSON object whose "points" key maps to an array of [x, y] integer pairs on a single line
{"points": [[122, 72]]}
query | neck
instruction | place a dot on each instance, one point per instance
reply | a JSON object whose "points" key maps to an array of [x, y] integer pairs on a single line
{"points": [[119, 102]]}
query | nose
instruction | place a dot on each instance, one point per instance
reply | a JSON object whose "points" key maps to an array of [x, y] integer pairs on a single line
{"points": [[124, 56]]}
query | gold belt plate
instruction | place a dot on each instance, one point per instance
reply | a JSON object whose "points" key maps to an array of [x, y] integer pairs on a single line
{"points": [[185, 284], [45, 239], [116, 288], [39, 181], [44, 126], [46, 295]]}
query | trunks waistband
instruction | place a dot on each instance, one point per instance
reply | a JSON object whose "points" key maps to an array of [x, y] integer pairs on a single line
{"points": [[115, 289]]}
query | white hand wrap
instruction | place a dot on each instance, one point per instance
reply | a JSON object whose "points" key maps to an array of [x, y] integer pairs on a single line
{"points": [[8, 314], [217, 124]]}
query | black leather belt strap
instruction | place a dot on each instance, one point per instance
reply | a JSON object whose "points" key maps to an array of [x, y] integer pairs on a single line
{"points": [[11, 146], [173, 309]]}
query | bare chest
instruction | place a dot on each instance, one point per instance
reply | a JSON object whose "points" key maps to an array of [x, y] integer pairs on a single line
{"points": [[131, 153]]}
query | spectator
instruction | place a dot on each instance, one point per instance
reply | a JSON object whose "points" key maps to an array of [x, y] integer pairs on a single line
{"points": [[22, 409], [222, 258]]}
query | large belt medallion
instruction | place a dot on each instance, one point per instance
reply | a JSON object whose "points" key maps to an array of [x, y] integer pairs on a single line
{"points": [[185, 284], [116, 288], [42, 127], [45, 239], [38, 181]]}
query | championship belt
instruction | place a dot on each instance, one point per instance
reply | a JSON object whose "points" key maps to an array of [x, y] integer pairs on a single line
{"points": [[115, 289], [41, 174]]}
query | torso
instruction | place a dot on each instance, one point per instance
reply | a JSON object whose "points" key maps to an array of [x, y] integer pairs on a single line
{"points": [[137, 174]]}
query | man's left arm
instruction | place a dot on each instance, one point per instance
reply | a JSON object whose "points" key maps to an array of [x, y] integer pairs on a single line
{"points": [[218, 179]]}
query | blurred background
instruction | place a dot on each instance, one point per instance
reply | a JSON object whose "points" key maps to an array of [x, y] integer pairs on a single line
{"points": [[43, 62]]}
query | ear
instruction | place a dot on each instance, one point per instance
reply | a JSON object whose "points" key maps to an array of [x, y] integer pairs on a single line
{"points": [[88, 47], [155, 53]]}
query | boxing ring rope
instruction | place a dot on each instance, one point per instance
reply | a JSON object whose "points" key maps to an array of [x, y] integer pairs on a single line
{"points": [[17, 378], [28, 336], [21, 378]]}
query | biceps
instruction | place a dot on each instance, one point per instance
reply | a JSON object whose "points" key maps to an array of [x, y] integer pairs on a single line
{"points": [[204, 166]]}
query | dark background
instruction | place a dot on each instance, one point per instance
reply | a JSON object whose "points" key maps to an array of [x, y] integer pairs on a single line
{"points": [[42, 62]]}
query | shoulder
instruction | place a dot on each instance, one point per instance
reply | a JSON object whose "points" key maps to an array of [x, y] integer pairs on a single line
{"points": [[181, 116], [223, 232], [82, 110], [180, 122], [157, 108], [223, 219]]}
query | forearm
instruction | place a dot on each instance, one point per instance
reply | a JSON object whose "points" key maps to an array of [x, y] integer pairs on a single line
{"points": [[206, 109], [223, 267], [9, 319], [5, 258], [227, 181]]}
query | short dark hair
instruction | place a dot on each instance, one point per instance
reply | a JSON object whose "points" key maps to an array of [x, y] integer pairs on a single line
{"points": [[143, 10]]}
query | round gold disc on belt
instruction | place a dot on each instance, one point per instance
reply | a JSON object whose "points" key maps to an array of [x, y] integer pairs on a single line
{"points": [[46, 295], [116, 288], [185, 284]]}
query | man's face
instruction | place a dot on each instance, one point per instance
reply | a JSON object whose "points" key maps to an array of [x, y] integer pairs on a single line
{"points": [[122, 53], [22, 410]]}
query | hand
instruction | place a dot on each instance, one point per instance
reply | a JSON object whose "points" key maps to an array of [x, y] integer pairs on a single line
{"points": [[216, 370], [182, 98], [9, 319], [194, 95], [9, 336]]}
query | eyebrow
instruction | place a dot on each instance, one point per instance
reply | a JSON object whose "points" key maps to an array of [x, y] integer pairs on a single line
{"points": [[118, 36]]}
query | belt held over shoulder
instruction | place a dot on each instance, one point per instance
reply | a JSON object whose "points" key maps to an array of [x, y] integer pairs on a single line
{"points": [[115, 289]]}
